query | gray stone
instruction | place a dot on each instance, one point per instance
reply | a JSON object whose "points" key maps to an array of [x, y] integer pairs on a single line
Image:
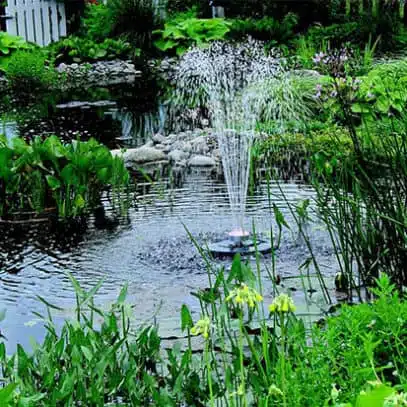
{"points": [[201, 161], [159, 139], [177, 156], [141, 155]]}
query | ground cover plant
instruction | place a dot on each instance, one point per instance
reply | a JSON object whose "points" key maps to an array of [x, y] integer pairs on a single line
{"points": [[43, 174]]}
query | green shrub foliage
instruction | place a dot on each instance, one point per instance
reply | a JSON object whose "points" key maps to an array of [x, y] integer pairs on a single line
{"points": [[76, 49]]}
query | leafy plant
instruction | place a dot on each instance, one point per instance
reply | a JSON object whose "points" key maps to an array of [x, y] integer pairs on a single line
{"points": [[10, 43], [367, 218], [248, 356], [185, 30], [266, 29], [383, 90], [28, 71], [42, 174], [76, 49], [97, 22]]}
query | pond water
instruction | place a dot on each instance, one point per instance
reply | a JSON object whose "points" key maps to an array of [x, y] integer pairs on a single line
{"points": [[148, 247]]}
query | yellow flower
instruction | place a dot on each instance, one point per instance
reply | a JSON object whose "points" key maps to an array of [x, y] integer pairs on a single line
{"points": [[282, 303], [202, 327], [244, 295], [275, 391]]}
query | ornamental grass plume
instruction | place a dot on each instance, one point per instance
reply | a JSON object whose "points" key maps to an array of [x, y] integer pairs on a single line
{"points": [[244, 295], [282, 303]]}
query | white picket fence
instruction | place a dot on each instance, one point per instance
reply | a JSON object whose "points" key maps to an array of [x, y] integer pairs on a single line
{"points": [[39, 21]]}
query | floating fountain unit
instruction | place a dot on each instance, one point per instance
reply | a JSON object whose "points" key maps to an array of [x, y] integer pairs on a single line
{"points": [[241, 242]]}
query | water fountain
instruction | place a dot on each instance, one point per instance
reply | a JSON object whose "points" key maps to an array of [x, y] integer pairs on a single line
{"points": [[228, 81]]}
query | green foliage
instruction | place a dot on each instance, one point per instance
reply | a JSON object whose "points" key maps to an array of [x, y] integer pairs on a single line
{"points": [[131, 20], [10, 43], [336, 35], [185, 30], [98, 358], [42, 174], [76, 49], [97, 22], [28, 71], [383, 90], [266, 29]]}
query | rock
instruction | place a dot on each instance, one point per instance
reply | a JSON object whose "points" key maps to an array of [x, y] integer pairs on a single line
{"points": [[177, 156], [187, 147], [159, 139], [201, 161], [101, 73], [200, 145], [141, 155]]}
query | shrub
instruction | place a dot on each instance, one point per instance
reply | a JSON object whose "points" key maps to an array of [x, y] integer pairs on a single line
{"points": [[10, 43], [265, 29], [28, 72], [132, 20], [185, 30], [76, 49], [42, 174], [97, 22]]}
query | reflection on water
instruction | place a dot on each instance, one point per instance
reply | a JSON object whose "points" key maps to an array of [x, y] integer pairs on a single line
{"points": [[149, 248], [115, 116]]}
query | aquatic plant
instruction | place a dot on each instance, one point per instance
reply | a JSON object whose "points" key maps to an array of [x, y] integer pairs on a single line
{"points": [[101, 357], [46, 173]]}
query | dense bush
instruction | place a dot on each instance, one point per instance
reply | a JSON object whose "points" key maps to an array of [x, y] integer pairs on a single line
{"points": [[29, 71], [9, 43], [76, 49], [42, 174], [185, 30], [266, 29], [132, 20]]}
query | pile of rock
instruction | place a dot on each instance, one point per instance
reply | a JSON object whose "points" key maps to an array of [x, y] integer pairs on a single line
{"points": [[101, 73], [181, 151]]}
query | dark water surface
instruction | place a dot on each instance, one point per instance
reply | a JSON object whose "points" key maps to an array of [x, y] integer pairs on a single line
{"points": [[149, 248]]}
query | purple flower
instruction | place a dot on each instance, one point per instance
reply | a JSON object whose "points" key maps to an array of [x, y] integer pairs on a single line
{"points": [[370, 95], [318, 57], [318, 87], [334, 94]]}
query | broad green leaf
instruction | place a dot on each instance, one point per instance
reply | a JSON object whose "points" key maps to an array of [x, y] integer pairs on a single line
{"points": [[186, 318], [53, 182], [6, 394], [374, 397]]}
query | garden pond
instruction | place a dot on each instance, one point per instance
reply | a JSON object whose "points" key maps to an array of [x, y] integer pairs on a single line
{"points": [[148, 246]]}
